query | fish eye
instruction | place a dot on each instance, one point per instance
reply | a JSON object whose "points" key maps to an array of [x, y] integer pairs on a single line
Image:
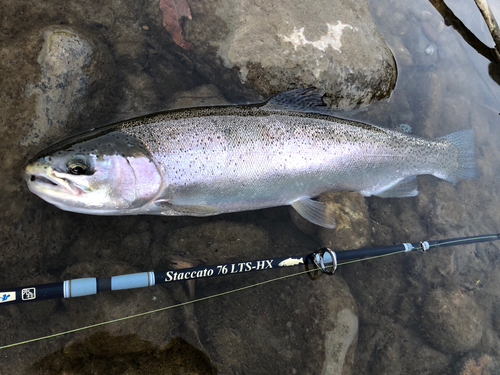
{"points": [[77, 167]]}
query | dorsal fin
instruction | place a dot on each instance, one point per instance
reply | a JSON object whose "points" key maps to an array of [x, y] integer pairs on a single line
{"points": [[306, 99]]}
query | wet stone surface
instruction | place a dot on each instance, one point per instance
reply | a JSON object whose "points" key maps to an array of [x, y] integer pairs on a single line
{"points": [[451, 321], [353, 225], [63, 86], [103, 353], [330, 45]]}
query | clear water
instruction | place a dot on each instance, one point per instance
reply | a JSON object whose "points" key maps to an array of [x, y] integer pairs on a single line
{"points": [[443, 86]]}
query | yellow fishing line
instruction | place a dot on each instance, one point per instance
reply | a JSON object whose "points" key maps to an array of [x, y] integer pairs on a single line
{"points": [[149, 312], [205, 298]]}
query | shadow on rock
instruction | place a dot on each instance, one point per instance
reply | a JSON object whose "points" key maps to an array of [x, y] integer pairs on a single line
{"points": [[103, 353]]}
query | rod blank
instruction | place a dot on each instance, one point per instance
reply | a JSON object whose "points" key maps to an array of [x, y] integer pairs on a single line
{"points": [[92, 285]]}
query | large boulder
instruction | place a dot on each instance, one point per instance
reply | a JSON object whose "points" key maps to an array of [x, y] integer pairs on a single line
{"points": [[333, 45]]}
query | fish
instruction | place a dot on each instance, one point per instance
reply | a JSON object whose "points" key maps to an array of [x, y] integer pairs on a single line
{"points": [[206, 161]]}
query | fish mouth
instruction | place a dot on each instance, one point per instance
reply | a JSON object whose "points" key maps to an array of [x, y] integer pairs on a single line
{"points": [[39, 183], [41, 180]]}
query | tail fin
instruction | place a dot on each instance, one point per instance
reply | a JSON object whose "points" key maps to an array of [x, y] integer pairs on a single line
{"points": [[464, 141]]}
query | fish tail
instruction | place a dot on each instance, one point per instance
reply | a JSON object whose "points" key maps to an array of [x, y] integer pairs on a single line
{"points": [[464, 142]]}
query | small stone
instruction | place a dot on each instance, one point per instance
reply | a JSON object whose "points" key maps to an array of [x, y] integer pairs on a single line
{"points": [[475, 363], [451, 321], [145, 28], [418, 42], [353, 226]]}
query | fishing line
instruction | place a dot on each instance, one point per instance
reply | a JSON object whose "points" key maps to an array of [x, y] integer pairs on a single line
{"points": [[325, 260], [178, 305], [155, 311]]}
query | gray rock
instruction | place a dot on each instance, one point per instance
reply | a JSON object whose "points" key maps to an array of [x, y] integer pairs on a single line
{"points": [[382, 346], [63, 84], [476, 363], [331, 45], [451, 321]]}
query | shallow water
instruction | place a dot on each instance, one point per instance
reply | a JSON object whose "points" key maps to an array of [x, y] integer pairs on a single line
{"points": [[443, 86]]}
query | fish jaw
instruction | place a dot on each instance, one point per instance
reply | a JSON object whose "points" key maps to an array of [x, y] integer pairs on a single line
{"points": [[49, 183], [55, 189]]}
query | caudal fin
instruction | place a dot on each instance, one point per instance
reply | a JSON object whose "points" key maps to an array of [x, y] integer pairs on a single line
{"points": [[464, 141]]}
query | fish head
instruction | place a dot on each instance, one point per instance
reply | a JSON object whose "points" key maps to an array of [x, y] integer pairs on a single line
{"points": [[112, 174]]}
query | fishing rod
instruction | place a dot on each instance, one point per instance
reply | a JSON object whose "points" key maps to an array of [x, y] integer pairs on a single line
{"points": [[324, 259]]}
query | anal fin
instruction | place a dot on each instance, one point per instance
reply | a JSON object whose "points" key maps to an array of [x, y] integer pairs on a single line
{"points": [[314, 211], [407, 187]]}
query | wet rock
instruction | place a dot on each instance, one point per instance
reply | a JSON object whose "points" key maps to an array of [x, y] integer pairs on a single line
{"points": [[401, 53], [206, 95], [424, 51], [457, 111], [63, 84], [451, 321], [496, 313], [382, 346], [103, 353], [441, 206], [353, 225], [472, 364], [384, 299], [432, 27], [427, 107], [331, 45], [220, 241], [283, 327]]}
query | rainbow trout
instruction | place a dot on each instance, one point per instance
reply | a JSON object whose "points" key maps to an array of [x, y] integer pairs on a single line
{"points": [[208, 161]]}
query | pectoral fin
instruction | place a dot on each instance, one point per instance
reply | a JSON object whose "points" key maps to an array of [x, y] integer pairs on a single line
{"points": [[314, 211]]}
